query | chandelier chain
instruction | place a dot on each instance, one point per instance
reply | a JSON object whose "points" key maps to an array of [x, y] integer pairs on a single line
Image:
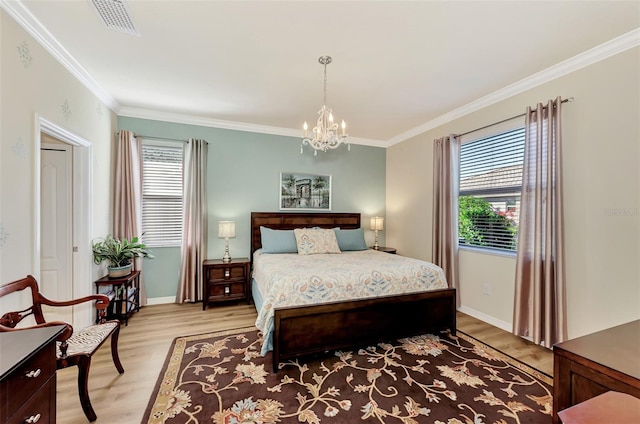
{"points": [[324, 100], [325, 63]]}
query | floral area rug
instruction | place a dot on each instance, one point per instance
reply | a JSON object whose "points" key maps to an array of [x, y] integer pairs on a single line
{"points": [[222, 378]]}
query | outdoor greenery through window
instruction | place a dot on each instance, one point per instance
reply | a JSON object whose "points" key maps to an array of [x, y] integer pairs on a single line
{"points": [[162, 194], [490, 187]]}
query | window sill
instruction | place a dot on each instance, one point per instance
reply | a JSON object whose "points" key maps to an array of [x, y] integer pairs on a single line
{"points": [[492, 252]]}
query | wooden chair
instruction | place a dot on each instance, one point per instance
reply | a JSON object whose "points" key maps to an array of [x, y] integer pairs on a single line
{"points": [[74, 347]]}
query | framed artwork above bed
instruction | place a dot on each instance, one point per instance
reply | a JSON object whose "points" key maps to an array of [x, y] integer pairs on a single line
{"points": [[300, 191]]}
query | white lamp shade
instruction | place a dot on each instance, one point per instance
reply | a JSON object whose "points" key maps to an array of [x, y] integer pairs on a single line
{"points": [[377, 223], [226, 229]]}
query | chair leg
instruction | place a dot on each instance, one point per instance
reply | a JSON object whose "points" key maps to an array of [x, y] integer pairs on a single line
{"points": [[114, 350], [84, 363]]}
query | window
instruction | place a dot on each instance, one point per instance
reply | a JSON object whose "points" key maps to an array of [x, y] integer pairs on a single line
{"points": [[162, 194], [490, 187]]}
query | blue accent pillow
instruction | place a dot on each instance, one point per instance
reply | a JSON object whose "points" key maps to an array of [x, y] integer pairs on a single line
{"points": [[278, 241], [350, 239]]}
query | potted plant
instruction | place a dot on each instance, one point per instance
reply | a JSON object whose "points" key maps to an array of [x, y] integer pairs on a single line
{"points": [[119, 253]]}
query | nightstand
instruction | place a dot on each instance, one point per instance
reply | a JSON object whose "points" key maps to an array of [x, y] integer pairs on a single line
{"points": [[384, 249], [225, 281]]}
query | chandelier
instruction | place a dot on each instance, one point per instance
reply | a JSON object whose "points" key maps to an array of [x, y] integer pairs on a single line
{"points": [[325, 134]]}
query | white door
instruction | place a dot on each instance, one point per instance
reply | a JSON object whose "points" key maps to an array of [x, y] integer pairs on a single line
{"points": [[56, 276]]}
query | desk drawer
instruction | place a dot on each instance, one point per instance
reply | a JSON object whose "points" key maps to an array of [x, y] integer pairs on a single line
{"points": [[29, 377], [40, 408]]}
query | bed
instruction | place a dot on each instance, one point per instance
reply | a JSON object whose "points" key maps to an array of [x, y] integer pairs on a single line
{"points": [[311, 329]]}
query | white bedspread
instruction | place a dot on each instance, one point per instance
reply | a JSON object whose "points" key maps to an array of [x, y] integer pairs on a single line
{"points": [[296, 280]]}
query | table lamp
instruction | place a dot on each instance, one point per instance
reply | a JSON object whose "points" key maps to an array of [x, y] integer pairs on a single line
{"points": [[226, 230], [377, 224]]}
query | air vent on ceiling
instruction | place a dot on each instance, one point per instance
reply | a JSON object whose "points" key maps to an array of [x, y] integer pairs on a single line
{"points": [[115, 15]]}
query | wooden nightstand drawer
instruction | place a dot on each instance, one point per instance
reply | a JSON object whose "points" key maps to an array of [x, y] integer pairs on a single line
{"points": [[222, 290], [227, 272]]}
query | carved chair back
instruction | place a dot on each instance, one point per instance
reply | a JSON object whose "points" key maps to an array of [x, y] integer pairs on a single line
{"points": [[11, 319]]}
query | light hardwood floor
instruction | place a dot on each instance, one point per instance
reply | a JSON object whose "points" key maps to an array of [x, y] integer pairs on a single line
{"points": [[144, 343]]}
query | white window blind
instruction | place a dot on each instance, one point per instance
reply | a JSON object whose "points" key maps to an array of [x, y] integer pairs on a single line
{"points": [[162, 194], [490, 187]]}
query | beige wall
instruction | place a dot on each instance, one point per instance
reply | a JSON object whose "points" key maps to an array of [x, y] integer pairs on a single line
{"points": [[33, 82], [602, 198]]}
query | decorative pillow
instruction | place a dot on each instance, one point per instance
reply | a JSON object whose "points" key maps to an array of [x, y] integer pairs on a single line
{"points": [[316, 240], [350, 239], [278, 241]]}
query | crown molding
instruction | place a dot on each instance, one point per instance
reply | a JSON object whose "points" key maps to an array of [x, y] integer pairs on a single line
{"points": [[610, 48], [229, 125], [29, 23], [26, 20], [17, 10]]}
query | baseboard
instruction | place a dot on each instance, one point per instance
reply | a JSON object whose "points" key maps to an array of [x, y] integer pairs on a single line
{"points": [[503, 325], [160, 300]]}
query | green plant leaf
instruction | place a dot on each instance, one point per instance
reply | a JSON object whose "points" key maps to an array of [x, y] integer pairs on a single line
{"points": [[118, 252]]}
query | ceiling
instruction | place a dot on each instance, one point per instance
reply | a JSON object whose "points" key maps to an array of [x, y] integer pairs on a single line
{"points": [[397, 66]]}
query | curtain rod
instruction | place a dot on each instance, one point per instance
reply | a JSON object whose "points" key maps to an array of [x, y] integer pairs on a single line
{"points": [[570, 99], [150, 137]]}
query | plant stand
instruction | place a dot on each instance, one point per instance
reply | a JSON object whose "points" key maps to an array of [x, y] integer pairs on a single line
{"points": [[123, 293]]}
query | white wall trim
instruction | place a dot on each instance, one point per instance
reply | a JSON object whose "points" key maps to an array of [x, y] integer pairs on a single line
{"points": [[589, 57], [82, 210], [229, 125], [26, 20], [160, 300], [503, 325]]}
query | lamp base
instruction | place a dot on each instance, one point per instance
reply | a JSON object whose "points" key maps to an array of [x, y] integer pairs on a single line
{"points": [[376, 246], [226, 258]]}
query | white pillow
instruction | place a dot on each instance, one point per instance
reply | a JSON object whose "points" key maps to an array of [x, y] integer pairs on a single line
{"points": [[311, 241]]}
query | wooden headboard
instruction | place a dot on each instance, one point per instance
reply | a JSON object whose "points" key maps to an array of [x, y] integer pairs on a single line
{"points": [[291, 220]]}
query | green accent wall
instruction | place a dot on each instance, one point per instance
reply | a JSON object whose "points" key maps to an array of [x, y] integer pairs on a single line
{"points": [[243, 176]]}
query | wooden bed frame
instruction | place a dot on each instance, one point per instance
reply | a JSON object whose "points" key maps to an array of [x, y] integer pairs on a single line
{"points": [[306, 330]]}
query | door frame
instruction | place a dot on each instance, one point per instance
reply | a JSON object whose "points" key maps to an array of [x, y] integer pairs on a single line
{"points": [[82, 212]]}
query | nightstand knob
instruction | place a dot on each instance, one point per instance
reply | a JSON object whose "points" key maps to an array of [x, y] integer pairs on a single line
{"points": [[227, 273], [227, 290]]}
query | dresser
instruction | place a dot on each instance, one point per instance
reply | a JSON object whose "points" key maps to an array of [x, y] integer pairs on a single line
{"points": [[588, 366], [28, 375]]}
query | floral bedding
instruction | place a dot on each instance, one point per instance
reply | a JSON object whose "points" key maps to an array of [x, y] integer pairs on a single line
{"points": [[296, 280]]}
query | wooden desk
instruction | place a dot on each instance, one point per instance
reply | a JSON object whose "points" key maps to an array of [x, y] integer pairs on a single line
{"points": [[588, 366], [28, 375]]}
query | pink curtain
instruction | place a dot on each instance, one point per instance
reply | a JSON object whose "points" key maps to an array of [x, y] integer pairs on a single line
{"points": [[540, 304], [446, 159], [127, 203], [194, 231]]}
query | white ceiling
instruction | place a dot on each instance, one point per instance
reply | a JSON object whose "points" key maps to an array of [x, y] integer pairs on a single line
{"points": [[397, 66]]}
